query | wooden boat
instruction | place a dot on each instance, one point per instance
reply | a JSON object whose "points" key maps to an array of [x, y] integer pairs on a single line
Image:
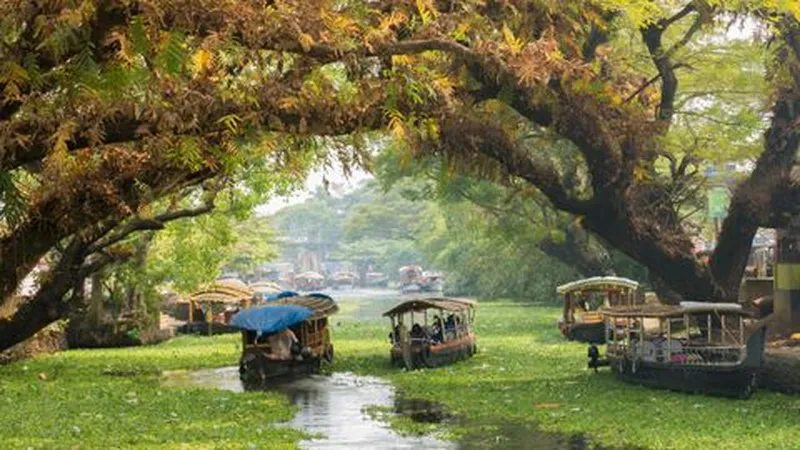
{"points": [[582, 318], [344, 279], [432, 341], [713, 348], [263, 289], [210, 309], [309, 281], [307, 319]]}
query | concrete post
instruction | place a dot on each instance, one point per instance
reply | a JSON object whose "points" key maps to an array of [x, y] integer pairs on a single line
{"points": [[787, 277]]}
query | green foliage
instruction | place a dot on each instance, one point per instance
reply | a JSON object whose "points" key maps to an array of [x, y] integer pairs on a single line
{"points": [[483, 258], [191, 252], [526, 378], [98, 399]]}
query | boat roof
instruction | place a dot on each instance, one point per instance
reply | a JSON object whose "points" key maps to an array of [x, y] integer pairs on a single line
{"points": [[658, 310], [220, 293], [270, 318], [311, 275], [597, 283], [265, 287], [421, 304], [320, 304]]}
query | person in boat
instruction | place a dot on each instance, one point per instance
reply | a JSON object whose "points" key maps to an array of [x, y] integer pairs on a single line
{"points": [[437, 333], [396, 335], [281, 344], [450, 326], [417, 332]]}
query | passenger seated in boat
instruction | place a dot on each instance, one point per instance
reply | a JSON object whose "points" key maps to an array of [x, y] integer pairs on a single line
{"points": [[436, 331], [394, 336], [417, 332], [280, 345]]}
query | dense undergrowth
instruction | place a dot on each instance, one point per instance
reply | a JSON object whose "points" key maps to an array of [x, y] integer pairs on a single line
{"points": [[525, 375]]}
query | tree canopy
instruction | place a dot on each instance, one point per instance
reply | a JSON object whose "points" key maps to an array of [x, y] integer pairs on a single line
{"points": [[110, 108]]}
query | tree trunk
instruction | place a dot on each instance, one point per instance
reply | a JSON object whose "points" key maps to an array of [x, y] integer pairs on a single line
{"points": [[96, 304]]}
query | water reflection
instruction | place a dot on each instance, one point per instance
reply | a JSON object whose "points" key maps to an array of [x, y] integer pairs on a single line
{"points": [[333, 406]]}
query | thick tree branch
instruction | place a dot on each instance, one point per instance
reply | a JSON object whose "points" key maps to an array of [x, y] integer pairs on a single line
{"points": [[467, 134], [152, 224]]}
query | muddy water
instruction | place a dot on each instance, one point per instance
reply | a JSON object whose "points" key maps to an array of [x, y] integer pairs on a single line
{"points": [[331, 406]]}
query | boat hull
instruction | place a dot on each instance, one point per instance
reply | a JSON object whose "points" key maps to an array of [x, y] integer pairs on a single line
{"points": [[739, 381], [736, 382], [430, 356], [592, 333], [258, 372], [203, 328]]}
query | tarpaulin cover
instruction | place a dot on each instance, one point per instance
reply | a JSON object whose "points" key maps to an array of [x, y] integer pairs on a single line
{"points": [[280, 295], [318, 295], [270, 318]]}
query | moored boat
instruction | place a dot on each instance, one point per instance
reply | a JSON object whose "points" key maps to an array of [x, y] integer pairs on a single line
{"points": [[442, 339], [582, 318], [711, 348]]}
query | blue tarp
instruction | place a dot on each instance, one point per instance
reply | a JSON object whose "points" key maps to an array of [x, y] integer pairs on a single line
{"points": [[280, 295], [270, 318]]}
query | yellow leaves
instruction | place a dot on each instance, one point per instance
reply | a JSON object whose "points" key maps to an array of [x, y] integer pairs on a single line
{"points": [[394, 19], [126, 51], [305, 40], [402, 60], [202, 61], [460, 33], [397, 123], [444, 85], [339, 23], [514, 44], [287, 103], [62, 136], [640, 174], [231, 122], [15, 77], [426, 10]]}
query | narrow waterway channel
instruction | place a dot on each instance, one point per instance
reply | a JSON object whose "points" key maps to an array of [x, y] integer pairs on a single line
{"points": [[333, 407]]}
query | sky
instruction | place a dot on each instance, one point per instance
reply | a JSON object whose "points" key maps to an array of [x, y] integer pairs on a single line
{"points": [[338, 184]]}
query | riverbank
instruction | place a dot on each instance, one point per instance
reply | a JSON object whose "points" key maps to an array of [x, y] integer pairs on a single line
{"points": [[527, 377], [114, 399]]}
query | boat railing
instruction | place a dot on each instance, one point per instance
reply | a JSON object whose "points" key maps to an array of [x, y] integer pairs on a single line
{"points": [[680, 354]]}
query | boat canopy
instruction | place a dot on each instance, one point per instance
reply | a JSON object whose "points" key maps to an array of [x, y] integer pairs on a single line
{"points": [[310, 275], [280, 295], [265, 287], [597, 284], [656, 310], [221, 293], [270, 318], [320, 304], [447, 304]]}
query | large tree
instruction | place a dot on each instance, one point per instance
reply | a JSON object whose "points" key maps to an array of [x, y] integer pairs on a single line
{"points": [[109, 105]]}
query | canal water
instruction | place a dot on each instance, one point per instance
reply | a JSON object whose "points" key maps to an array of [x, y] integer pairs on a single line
{"points": [[333, 407]]}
